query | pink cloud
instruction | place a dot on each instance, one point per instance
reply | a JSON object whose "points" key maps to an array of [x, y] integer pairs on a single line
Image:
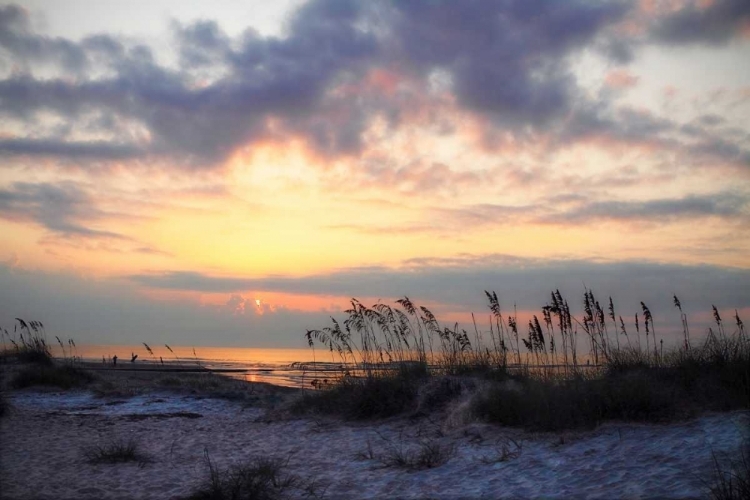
{"points": [[621, 79]]}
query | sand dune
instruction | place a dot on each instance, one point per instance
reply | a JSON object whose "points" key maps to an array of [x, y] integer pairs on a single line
{"points": [[44, 437]]}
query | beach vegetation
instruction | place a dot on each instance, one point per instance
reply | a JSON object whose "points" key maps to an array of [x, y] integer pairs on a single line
{"points": [[63, 376], [428, 455], [565, 372], [261, 478], [116, 451], [27, 343], [4, 405], [731, 478], [373, 396]]}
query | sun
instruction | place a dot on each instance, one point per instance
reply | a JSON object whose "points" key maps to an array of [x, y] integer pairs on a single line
{"points": [[257, 302]]}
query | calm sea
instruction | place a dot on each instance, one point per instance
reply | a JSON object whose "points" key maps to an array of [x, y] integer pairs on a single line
{"points": [[285, 367]]}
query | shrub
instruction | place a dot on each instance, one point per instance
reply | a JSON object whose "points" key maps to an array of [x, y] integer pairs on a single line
{"points": [[437, 392], [64, 376], [375, 396], [550, 405]]}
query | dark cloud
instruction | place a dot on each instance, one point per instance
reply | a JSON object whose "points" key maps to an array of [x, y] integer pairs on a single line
{"points": [[723, 205], [461, 281], [78, 150], [26, 47], [715, 24], [63, 208], [505, 58], [110, 311], [700, 142], [202, 43]]}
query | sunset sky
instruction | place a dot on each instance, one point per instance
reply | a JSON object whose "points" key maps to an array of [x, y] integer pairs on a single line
{"points": [[232, 172]]}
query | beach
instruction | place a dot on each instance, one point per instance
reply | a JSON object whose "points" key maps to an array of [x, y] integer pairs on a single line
{"points": [[46, 433]]}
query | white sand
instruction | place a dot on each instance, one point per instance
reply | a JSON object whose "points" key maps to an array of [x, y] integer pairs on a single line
{"points": [[41, 455]]}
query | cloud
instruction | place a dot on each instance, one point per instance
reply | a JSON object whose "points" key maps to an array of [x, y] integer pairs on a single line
{"points": [[724, 205], [460, 281], [620, 79], [25, 47], [110, 311], [64, 209], [74, 150], [504, 62], [715, 24], [504, 59]]}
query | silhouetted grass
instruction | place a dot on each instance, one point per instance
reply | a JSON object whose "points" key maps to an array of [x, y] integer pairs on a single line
{"points": [[731, 479], [4, 405], [548, 387], [259, 479], [117, 451], [28, 343], [63, 376], [429, 455]]}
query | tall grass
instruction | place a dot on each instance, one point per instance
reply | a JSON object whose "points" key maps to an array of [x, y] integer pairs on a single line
{"points": [[555, 385], [28, 342], [731, 478]]}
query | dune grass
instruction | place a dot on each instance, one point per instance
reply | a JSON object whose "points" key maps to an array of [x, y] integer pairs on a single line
{"points": [[28, 346], [261, 478], [65, 376], [731, 479], [547, 387], [373, 396], [28, 342], [4, 405], [117, 451]]}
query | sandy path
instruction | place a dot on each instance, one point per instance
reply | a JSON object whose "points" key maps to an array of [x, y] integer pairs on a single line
{"points": [[41, 456]]}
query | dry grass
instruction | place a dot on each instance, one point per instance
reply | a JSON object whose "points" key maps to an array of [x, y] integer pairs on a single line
{"points": [[550, 388], [260, 478], [731, 479], [117, 451], [427, 454]]}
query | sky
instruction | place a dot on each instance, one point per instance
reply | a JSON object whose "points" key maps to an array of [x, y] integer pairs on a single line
{"points": [[231, 173]]}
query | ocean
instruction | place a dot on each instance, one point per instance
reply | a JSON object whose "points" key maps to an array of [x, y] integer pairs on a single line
{"points": [[277, 366]]}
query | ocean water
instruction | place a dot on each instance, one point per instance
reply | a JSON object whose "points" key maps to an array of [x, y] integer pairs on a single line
{"points": [[284, 367]]}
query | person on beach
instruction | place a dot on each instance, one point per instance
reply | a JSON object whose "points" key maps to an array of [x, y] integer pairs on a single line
{"points": [[114, 360]]}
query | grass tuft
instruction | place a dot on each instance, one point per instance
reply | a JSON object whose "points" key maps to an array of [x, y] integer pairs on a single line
{"points": [[118, 451], [430, 454], [261, 478]]}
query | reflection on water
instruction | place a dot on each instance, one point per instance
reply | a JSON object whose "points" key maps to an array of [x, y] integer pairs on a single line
{"points": [[283, 367]]}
